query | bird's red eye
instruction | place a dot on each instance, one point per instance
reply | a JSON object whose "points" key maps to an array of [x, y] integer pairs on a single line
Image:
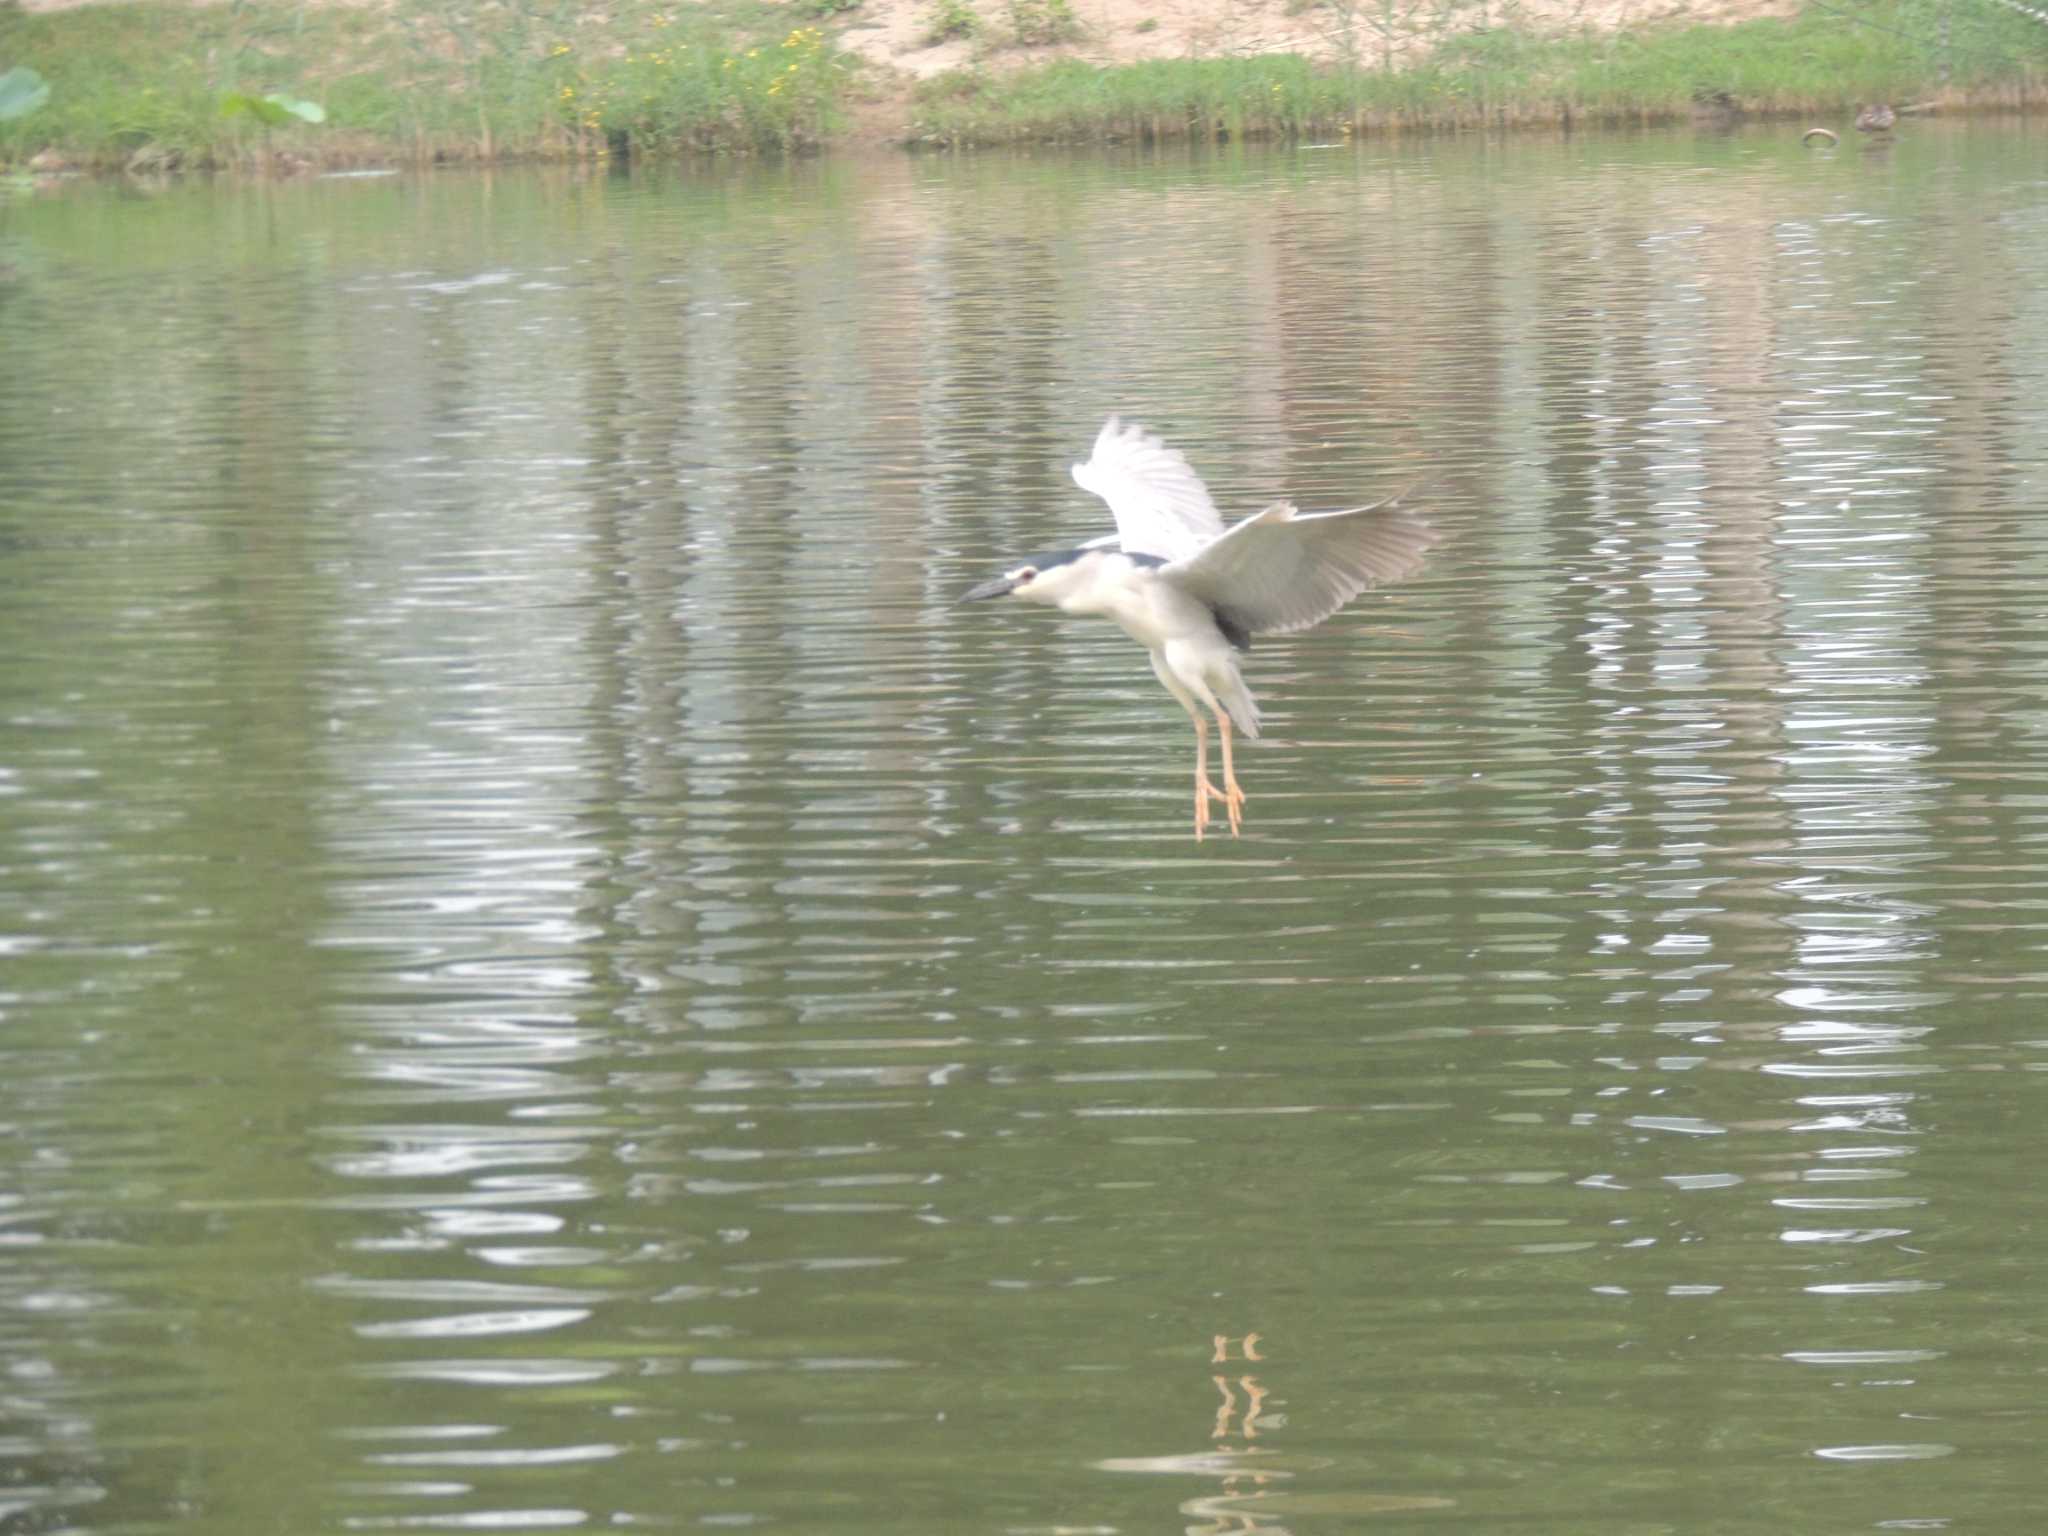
{"points": [[1027, 574]]}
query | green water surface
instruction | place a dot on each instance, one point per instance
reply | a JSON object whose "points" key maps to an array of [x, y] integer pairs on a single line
{"points": [[548, 979]]}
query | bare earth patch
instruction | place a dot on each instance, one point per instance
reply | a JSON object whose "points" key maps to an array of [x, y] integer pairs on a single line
{"points": [[893, 32]]}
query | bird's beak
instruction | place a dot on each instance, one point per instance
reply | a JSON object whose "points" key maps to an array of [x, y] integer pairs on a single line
{"points": [[987, 589]]}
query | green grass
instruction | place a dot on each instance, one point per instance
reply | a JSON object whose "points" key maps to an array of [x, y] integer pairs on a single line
{"points": [[426, 81], [1819, 62], [1037, 23], [948, 19]]}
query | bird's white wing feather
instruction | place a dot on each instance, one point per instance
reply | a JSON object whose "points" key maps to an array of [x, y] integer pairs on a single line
{"points": [[1283, 570], [1160, 505]]}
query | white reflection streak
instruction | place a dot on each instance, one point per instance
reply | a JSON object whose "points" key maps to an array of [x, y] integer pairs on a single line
{"points": [[460, 750], [471, 1325], [506, 1456], [1852, 552], [480, 1520]]}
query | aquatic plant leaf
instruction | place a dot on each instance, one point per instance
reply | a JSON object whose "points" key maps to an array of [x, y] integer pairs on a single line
{"points": [[306, 111], [266, 112], [273, 111], [22, 90]]}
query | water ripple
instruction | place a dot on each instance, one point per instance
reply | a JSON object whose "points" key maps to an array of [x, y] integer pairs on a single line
{"points": [[553, 979]]}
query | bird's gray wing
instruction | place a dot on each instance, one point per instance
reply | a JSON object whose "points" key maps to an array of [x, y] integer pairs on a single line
{"points": [[1283, 570], [1160, 505]]}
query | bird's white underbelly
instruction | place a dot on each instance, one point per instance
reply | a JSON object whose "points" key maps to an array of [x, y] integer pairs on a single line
{"points": [[1156, 615], [1187, 647], [1177, 629]]}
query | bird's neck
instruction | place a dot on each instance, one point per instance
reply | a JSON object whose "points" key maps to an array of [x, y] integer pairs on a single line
{"points": [[1102, 583]]}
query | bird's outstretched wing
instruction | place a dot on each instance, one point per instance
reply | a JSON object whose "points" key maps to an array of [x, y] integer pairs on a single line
{"points": [[1283, 570], [1160, 505]]}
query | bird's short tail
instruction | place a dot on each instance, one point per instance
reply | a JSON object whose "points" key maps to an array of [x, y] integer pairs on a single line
{"points": [[1241, 706]]}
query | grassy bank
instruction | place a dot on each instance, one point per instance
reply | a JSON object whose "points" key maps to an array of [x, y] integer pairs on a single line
{"points": [[462, 80], [145, 86], [1823, 64]]}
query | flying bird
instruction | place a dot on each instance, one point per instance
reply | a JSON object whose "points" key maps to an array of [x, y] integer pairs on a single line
{"points": [[1195, 595]]}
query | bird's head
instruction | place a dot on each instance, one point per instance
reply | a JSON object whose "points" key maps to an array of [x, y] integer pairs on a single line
{"points": [[1041, 579]]}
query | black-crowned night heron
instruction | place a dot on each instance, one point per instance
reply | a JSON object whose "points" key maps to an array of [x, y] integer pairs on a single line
{"points": [[1194, 595]]}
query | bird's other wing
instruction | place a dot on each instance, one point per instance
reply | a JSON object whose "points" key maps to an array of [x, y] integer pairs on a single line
{"points": [[1283, 570], [1160, 505]]}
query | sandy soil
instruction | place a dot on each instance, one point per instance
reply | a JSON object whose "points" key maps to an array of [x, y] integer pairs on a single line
{"points": [[892, 32]]}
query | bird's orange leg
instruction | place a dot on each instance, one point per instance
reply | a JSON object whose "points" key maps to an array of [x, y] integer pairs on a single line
{"points": [[1232, 796], [1204, 790]]}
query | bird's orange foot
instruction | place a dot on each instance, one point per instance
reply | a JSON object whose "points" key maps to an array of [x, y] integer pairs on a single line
{"points": [[1204, 793], [1233, 801]]}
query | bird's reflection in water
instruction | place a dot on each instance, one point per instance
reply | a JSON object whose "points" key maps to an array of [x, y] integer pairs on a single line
{"points": [[1233, 1507], [1231, 1457], [1256, 1488]]}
